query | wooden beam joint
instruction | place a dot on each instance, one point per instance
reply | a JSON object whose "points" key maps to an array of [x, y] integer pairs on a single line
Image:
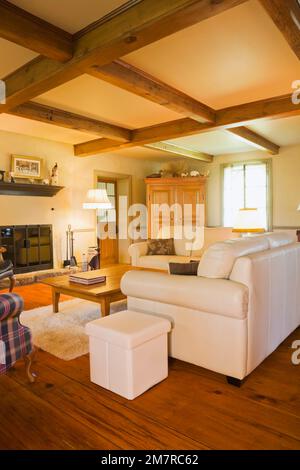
{"points": [[27, 30]]}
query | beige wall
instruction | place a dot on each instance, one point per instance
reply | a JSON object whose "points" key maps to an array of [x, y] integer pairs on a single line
{"points": [[77, 175], [286, 185]]}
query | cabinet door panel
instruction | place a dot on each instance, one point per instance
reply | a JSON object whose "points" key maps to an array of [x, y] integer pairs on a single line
{"points": [[159, 194], [188, 197]]}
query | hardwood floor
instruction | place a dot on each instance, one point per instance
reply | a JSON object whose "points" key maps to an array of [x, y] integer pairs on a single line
{"points": [[193, 409]]}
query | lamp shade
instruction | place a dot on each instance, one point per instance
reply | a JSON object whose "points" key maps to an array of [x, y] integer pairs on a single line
{"points": [[97, 199], [248, 221]]}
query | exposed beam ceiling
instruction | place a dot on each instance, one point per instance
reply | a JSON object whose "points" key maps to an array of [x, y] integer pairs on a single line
{"points": [[227, 118], [73, 121], [58, 117], [96, 50], [140, 83], [257, 140], [139, 25], [136, 81], [20, 27], [286, 16], [184, 152]]}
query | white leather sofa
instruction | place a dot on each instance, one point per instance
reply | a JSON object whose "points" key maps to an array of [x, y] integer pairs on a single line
{"points": [[244, 302], [139, 257]]}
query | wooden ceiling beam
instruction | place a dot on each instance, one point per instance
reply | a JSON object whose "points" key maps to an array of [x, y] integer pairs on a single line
{"points": [[133, 28], [183, 152], [228, 118], [61, 118], [243, 114], [252, 138], [134, 80], [286, 16], [27, 30]]}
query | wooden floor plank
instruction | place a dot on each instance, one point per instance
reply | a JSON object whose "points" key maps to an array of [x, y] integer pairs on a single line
{"points": [[102, 411], [126, 428], [217, 415], [35, 295], [32, 423]]}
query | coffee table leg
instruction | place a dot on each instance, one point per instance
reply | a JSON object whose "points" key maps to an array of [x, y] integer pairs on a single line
{"points": [[55, 300], [105, 307]]}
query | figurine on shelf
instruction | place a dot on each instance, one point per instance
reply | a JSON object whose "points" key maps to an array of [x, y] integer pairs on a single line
{"points": [[46, 181], [184, 174], [54, 175], [194, 173], [2, 174], [11, 177]]}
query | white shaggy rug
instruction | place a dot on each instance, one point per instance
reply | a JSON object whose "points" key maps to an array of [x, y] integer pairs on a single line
{"points": [[62, 334]]}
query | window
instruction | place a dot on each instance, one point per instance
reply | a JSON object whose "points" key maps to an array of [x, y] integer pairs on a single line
{"points": [[247, 185]]}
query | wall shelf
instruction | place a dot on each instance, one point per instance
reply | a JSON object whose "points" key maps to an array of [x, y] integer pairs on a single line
{"points": [[25, 189]]}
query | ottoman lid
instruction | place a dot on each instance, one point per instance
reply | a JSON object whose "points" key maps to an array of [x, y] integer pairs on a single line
{"points": [[128, 329]]}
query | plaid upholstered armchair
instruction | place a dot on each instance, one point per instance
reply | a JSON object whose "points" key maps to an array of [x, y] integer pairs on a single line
{"points": [[15, 339], [6, 269]]}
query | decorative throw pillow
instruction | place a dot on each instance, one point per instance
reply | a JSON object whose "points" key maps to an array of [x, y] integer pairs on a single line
{"points": [[163, 246], [184, 269]]}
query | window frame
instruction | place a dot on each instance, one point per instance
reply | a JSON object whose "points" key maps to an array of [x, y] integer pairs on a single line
{"points": [[269, 171]]}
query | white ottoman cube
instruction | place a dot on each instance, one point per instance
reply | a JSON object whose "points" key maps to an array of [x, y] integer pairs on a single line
{"points": [[128, 352]]}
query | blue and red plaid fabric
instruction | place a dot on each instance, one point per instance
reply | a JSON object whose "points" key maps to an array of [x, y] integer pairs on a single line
{"points": [[16, 338]]}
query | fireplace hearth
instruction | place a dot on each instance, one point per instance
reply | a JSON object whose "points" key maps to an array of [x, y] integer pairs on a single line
{"points": [[29, 247]]}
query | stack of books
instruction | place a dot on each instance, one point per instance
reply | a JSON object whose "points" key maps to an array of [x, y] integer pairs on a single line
{"points": [[88, 278]]}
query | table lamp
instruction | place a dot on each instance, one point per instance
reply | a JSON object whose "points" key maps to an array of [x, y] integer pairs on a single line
{"points": [[248, 221], [96, 199]]}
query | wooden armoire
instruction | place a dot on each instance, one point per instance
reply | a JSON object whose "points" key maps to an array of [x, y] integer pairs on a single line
{"points": [[185, 190]]}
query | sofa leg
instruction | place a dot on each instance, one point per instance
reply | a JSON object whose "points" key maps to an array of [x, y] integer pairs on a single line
{"points": [[235, 382], [12, 283], [28, 362]]}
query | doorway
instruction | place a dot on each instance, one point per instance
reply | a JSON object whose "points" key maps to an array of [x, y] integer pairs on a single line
{"points": [[107, 223]]}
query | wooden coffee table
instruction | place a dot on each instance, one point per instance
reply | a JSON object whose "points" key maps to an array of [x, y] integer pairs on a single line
{"points": [[103, 293]]}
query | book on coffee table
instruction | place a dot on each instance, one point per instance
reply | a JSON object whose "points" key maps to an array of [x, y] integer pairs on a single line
{"points": [[88, 278]]}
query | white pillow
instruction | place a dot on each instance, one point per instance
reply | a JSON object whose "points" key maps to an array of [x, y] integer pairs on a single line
{"points": [[280, 239], [189, 247], [218, 261]]}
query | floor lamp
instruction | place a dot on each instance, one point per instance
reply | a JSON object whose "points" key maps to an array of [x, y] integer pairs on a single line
{"points": [[96, 199]]}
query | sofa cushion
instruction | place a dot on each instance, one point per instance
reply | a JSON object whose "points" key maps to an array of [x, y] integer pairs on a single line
{"points": [[182, 247], [160, 261], [184, 269], [163, 246], [217, 262], [218, 296]]}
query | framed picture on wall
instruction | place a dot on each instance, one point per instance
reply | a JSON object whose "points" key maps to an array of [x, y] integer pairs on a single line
{"points": [[26, 167]]}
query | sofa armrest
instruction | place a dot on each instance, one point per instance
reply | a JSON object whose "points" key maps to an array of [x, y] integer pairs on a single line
{"points": [[11, 305], [218, 296], [136, 250]]}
